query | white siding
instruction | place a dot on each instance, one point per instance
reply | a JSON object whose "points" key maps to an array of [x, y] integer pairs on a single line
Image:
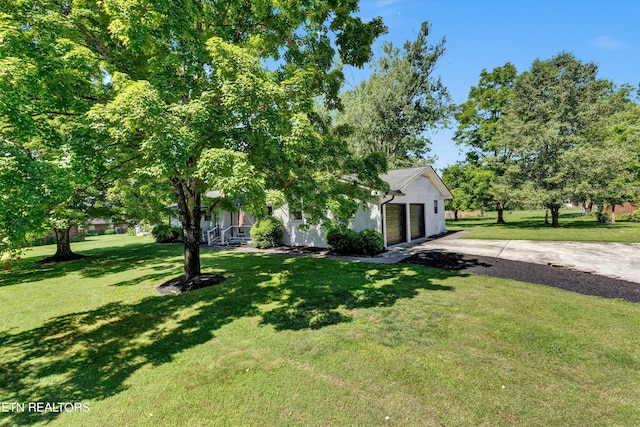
{"points": [[366, 217], [294, 236], [422, 191]]}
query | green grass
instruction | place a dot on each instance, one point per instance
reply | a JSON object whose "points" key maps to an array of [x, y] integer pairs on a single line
{"points": [[299, 341], [529, 225]]}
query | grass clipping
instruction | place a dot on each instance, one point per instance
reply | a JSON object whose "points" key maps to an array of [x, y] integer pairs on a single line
{"points": [[180, 285]]}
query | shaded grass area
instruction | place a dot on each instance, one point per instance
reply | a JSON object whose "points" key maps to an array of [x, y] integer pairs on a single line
{"points": [[299, 341], [529, 225]]}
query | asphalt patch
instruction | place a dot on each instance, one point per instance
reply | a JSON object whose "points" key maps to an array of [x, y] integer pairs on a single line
{"points": [[549, 275]]}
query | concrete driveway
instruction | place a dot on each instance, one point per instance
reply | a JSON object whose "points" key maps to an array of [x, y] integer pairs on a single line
{"points": [[617, 260]]}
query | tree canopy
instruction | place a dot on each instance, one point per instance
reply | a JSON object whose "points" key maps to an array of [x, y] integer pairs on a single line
{"points": [[50, 165], [554, 129], [204, 94], [402, 100], [552, 134], [478, 123]]}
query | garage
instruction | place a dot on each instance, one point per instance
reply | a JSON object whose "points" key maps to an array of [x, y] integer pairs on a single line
{"points": [[416, 221], [396, 221]]}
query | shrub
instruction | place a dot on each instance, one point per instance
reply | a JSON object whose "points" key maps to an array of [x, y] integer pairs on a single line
{"points": [[267, 232], [603, 218], [109, 231], [371, 242], [345, 241], [623, 217], [635, 216], [78, 238], [164, 233], [342, 240]]}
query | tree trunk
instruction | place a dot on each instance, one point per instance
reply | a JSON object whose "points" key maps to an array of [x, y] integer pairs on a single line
{"points": [[555, 214], [63, 248], [190, 205], [63, 244], [546, 216], [500, 209], [192, 252], [613, 213], [455, 215]]}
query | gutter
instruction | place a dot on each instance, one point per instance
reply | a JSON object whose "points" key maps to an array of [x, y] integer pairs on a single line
{"points": [[393, 195]]}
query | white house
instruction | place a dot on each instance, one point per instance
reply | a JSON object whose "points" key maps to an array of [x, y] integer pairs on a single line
{"points": [[412, 209]]}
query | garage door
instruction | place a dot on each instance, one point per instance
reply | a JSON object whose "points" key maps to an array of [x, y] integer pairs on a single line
{"points": [[396, 221], [416, 213]]}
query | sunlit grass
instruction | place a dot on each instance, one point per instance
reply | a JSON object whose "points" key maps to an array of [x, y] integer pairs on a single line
{"points": [[529, 225], [299, 341]]}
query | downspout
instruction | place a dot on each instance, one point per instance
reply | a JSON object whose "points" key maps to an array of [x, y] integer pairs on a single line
{"points": [[393, 196]]}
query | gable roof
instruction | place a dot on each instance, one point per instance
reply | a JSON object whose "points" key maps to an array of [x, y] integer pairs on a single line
{"points": [[399, 179]]}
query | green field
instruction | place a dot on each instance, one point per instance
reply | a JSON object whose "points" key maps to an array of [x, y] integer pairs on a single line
{"points": [[292, 341], [529, 225]]}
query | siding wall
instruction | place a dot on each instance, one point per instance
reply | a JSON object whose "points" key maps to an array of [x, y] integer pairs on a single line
{"points": [[421, 191], [293, 236], [366, 217]]}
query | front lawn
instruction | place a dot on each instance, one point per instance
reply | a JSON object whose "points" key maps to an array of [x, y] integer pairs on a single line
{"points": [[529, 225], [300, 341]]}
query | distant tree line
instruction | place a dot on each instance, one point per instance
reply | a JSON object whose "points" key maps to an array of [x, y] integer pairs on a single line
{"points": [[553, 134]]}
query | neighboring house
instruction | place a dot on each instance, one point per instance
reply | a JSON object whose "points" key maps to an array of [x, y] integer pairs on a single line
{"points": [[100, 225]]}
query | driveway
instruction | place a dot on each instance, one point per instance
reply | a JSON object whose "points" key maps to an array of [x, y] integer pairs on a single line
{"points": [[617, 260]]}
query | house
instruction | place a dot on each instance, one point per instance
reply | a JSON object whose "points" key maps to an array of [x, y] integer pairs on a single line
{"points": [[412, 209], [221, 227]]}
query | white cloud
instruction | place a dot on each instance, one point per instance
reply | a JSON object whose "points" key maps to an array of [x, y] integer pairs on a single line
{"points": [[384, 3], [610, 43]]}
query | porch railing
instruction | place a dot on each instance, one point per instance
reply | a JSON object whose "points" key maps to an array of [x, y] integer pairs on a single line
{"points": [[235, 233], [213, 234]]}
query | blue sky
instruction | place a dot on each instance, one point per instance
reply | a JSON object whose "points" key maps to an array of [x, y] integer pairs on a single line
{"points": [[484, 34]]}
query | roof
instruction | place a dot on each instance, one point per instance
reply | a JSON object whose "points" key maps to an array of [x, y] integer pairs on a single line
{"points": [[399, 179]]}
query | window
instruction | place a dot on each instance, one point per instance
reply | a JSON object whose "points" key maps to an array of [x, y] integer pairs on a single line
{"points": [[435, 206]]}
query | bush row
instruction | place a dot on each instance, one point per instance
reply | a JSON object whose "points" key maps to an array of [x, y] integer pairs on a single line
{"points": [[344, 241], [51, 240], [605, 218]]}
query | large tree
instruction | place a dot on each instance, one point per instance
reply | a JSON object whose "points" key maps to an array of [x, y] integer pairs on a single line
{"points": [[611, 177], [402, 100], [219, 94], [478, 122], [471, 186], [51, 166], [557, 112]]}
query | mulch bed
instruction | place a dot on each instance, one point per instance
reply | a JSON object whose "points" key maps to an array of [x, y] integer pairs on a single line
{"points": [[558, 277], [179, 285]]}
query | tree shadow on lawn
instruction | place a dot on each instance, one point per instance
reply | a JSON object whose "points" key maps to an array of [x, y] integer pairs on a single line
{"points": [[446, 260], [89, 355], [99, 262]]}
